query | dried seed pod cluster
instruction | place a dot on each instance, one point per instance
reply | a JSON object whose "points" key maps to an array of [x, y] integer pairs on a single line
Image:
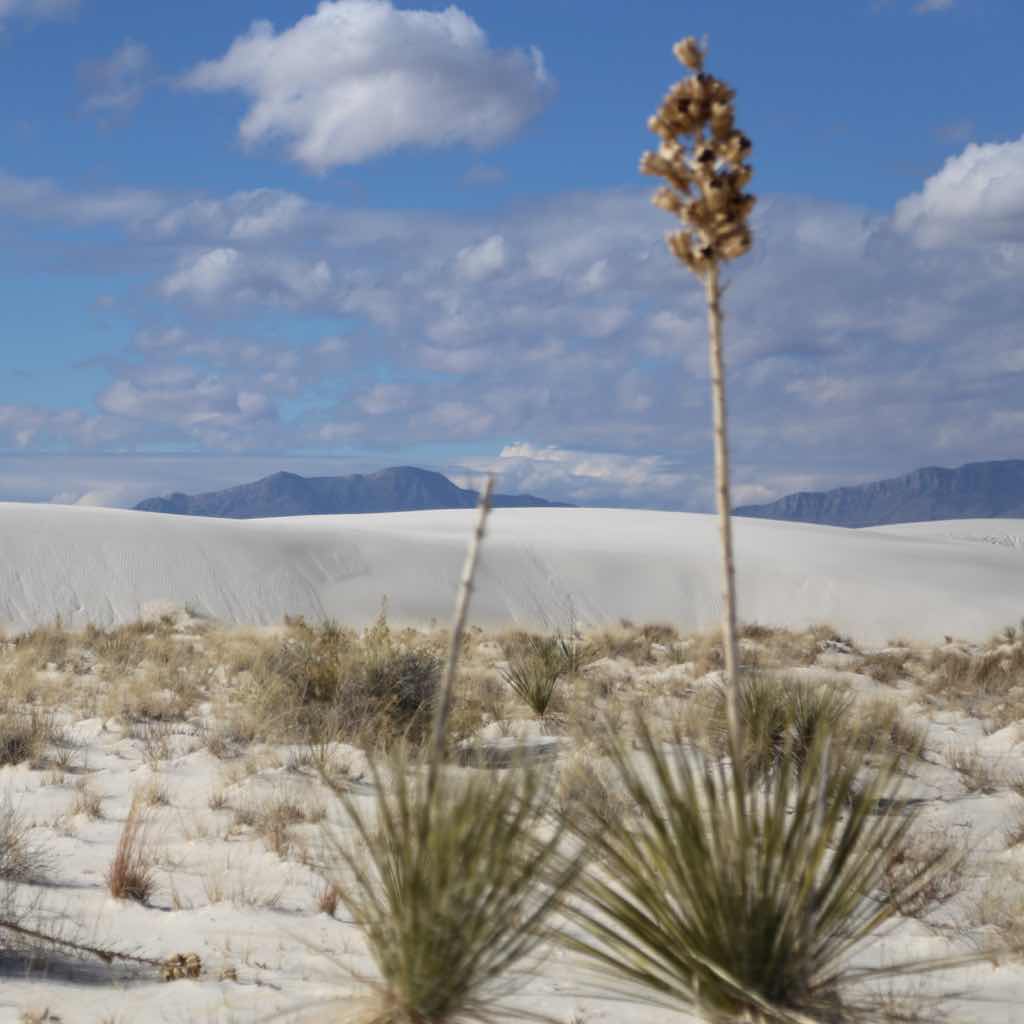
{"points": [[703, 157]]}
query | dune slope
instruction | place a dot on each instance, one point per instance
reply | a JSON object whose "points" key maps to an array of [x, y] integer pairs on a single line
{"points": [[109, 566]]}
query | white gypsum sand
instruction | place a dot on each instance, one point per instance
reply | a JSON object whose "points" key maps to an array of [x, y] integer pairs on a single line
{"points": [[244, 893], [107, 566]]}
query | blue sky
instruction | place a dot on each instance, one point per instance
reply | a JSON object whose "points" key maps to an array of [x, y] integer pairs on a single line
{"points": [[240, 237]]}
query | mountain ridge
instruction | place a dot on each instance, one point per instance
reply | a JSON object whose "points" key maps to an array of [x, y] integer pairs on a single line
{"points": [[396, 489], [975, 490]]}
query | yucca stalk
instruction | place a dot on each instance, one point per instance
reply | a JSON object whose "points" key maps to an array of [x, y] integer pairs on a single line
{"points": [[444, 704], [703, 157], [451, 887], [449, 880], [741, 900]]}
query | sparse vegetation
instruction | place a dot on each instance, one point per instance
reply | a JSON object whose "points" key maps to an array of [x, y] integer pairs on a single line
{"points": [[131, 873]]}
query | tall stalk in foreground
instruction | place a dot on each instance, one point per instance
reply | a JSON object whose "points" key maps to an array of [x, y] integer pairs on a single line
{"points": [[444, 704], [454, 878], [703, 158]]}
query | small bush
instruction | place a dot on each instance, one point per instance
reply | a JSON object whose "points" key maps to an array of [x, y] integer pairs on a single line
{"points": [[370, 691], [21, 858], [25, 736]]}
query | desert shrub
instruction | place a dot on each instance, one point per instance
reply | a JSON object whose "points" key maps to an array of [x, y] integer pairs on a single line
{"points": [[881, 726], [959, 675], [740, 902], [26, 735], [635, 643], [365, 690], [45, 644], [21, 858], [887, 667]]}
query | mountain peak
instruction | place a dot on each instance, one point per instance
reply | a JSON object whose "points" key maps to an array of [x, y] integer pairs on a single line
{"points": [[976, 490], [395, 489]]}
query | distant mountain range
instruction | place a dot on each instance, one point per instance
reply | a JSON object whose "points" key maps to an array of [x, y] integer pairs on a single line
{"points": [[399, 489], [978, 490]]}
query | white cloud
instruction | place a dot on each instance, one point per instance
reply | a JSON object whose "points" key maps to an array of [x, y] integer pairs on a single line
{"points": [[359, 78], [37, 8], [228, 274], [978, 195], [930, 6], [477, 262], [838, 319], [117, 83]]}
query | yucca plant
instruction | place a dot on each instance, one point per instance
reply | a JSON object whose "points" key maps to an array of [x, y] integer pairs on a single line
{"points": [[780, 721], [451, 887], [743, 902], [534, 669], [449, 880]]}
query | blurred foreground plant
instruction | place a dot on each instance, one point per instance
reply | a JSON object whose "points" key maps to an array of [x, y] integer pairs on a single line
{"points": [[452, 886], [740, 899]]}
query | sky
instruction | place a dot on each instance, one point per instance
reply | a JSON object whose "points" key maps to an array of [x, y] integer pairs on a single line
{"points": [[254, 235]]}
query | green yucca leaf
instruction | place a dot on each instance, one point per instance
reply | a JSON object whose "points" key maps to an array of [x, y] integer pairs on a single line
{"points": [[453, 888], [739, 899]]}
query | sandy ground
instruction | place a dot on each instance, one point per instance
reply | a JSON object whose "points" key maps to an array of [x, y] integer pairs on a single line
{"points": [[249, 910]]}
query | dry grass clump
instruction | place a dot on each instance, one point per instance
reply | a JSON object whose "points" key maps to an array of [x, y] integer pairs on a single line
{"points": [[589, 795], [22, 859], [1001, 908], [45, 645], [640, 644], [272, 816], [976, 772], [888, 667], [131, 875], [742, 902], [881, 726], [938, 863], [86, 801], [27, 735], [370, 690], [985, 683]]}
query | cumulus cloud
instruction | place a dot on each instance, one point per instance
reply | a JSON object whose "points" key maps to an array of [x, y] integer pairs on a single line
{"points": [[359, 78], [978, 195], [116, 85], [229, 274]]}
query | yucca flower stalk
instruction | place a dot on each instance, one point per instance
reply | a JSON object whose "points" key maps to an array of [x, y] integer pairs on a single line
{"points": [[703, 158]]}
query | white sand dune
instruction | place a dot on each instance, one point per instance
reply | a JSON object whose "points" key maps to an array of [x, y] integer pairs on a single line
{"points": [[107, 566]]}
